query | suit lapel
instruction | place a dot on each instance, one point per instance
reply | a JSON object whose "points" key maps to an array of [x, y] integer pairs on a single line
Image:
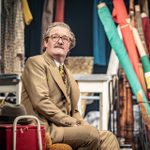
{"points": [[55, 74], [74, 96], [57, 77]]}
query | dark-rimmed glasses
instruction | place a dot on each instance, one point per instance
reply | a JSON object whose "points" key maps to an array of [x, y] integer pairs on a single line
{"points": [[56, 37]]}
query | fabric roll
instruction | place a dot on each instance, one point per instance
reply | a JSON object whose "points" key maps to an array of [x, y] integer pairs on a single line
{"points": [[146, 30], [138, 24], [113, 64], [47, 17], [144, 4], [123, 21], [121, 53], [99, 37], [143, 56], [138, 42], [26, 12]]}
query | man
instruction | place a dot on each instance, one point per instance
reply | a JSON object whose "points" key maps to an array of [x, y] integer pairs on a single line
{"points": [[53, 98]]}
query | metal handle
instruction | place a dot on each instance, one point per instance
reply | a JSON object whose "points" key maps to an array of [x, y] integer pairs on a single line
{"points": [[15, 130]]}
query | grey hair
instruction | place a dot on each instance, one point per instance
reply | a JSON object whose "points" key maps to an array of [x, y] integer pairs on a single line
{"points": [[61, 24]]}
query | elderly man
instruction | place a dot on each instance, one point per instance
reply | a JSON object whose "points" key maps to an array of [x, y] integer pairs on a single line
{"points": [[51, 93]]}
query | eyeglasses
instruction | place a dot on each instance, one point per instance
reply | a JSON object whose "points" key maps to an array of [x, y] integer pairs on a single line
{"points": [[56, 37]]}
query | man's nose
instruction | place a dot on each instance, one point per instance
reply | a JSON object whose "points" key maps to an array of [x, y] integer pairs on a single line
{"points": [[60, 40]]}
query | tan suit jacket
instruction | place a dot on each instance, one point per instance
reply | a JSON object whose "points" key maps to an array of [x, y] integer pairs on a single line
{"points": [[44, 95]]}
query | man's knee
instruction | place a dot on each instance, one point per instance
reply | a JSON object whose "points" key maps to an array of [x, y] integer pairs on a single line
{"points": [[106, 134], [108, 140]]}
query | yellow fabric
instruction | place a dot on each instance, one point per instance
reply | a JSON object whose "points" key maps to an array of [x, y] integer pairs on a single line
{"points": [[26, 12], [148, 81]]}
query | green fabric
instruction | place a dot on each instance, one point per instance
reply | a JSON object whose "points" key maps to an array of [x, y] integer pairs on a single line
{"points": [[118, 46], [146, 64]]}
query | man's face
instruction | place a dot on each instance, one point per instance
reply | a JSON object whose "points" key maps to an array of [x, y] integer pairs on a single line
{"points": [[58, 43]]}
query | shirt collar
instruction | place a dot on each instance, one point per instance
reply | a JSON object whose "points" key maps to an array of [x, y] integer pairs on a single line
{"points": [[57, 63]]}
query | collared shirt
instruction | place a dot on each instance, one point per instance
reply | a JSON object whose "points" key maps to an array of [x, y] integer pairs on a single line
{"points": [[57, 63]]}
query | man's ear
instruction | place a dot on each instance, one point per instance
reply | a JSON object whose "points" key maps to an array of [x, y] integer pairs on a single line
{"points": [[45, 43]]}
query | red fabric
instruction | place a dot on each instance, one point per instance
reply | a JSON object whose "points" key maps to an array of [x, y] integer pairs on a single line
{"points": [[59, 15], [120, 16], [146, 29]]}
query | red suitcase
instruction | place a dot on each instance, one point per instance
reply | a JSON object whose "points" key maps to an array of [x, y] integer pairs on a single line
{"points": [[22, 137]]}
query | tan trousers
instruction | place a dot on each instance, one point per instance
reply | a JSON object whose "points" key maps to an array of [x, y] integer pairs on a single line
{"points": [[89, 138]]}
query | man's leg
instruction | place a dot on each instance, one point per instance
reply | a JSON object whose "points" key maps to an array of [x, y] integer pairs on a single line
{"points": [[108, 141], [82, 137]]}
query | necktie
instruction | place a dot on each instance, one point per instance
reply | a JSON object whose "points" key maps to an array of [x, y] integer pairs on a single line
{"points": [[62, 72], [64, 77]]}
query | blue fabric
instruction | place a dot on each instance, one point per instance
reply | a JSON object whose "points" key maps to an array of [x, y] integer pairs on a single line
{"points": [[99, 38]]}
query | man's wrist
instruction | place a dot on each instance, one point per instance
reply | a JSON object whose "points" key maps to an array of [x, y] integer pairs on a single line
{"points": [[77, 123]]}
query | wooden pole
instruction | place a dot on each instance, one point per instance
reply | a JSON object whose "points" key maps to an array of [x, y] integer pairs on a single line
{"points": [[122, 105], [130, 119]]}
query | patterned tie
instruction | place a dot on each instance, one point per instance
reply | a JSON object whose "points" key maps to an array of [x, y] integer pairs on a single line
{"points": [[62, 72]]}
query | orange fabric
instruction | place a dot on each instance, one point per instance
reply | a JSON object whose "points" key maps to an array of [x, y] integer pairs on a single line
{"points": [[131, 50], [59, 15], [119, 13]]}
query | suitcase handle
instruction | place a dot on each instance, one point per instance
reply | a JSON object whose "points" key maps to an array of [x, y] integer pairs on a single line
{"points": [[38, 129]]}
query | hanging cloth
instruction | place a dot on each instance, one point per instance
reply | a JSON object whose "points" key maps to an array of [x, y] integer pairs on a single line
{"points": [[47, 17], [26, 12], [99, 38], [59, 14]]}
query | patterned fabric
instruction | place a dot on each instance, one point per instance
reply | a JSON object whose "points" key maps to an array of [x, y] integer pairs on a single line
{"points": [[65, 80], [62, 73], [13, 37]]}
